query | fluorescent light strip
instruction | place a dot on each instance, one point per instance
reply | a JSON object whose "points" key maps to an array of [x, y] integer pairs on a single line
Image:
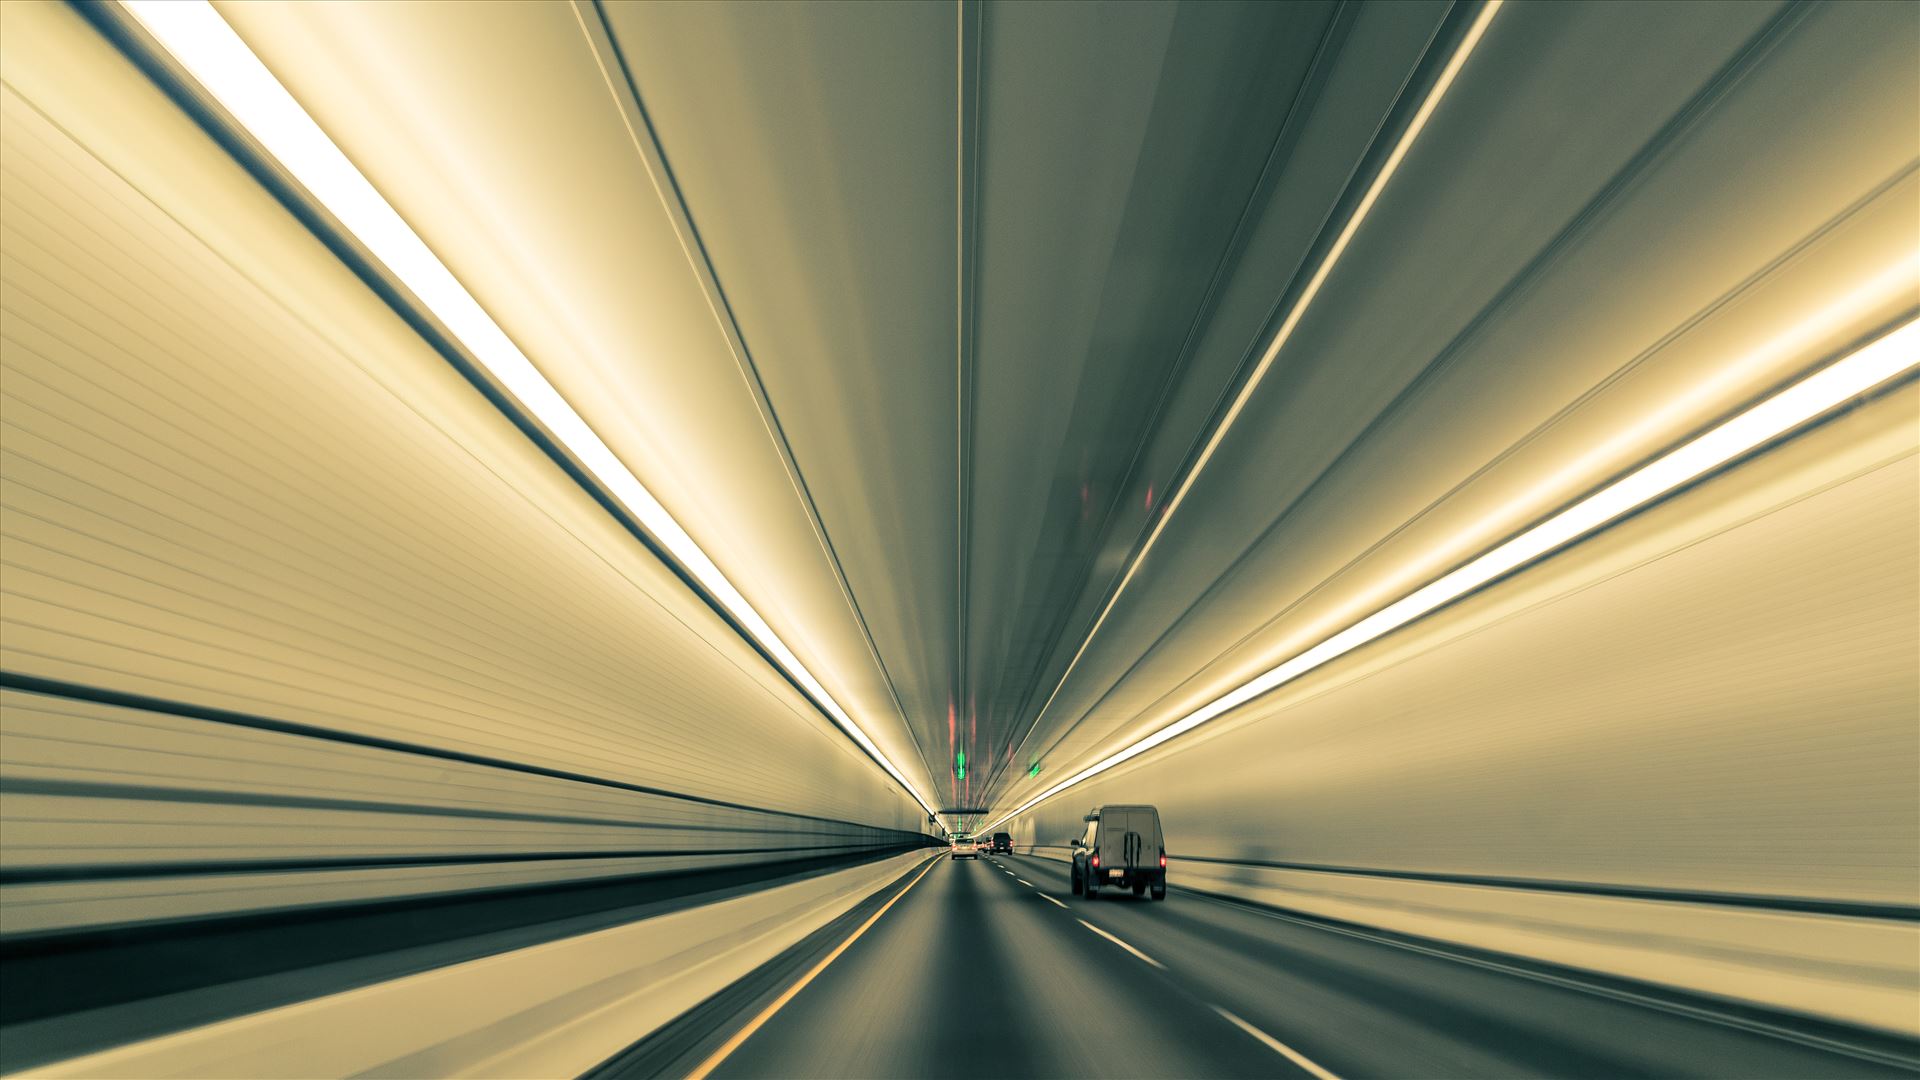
{"points": [[1885, 359], [196, 36], [1287, 326]]}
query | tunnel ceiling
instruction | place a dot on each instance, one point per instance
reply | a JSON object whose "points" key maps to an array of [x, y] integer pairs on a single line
{"points": [[915, 315]]}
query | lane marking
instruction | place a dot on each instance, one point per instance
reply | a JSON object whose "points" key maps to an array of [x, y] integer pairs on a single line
{"points": [[1276, 1045], [1120, 943], [705, 1068], [1024, 881], [1692, 1012], [1052, 901]]}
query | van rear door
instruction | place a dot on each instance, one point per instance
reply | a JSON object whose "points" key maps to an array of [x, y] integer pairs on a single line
{"points": [[1130, 837]]}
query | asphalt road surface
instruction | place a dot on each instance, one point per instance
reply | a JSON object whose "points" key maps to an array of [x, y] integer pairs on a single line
{"points": [[994, 969]]}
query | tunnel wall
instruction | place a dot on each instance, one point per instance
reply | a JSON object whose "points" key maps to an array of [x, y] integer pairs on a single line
{"points": [[119, 816], [290, 613], [1702, 721], [568, 1007]]}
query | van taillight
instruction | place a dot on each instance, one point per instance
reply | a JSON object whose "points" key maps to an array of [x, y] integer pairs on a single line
{"points": [[1096, 860], [1163, 859]]}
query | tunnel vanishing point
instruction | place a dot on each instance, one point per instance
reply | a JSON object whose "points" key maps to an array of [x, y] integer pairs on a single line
{"points": [[994, 539]]}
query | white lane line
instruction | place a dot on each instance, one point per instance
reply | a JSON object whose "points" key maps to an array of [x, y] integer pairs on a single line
{"points": [[1120, 943], [1052, 901], [1691, 1011], [1276, 1045], [1024, 881]]}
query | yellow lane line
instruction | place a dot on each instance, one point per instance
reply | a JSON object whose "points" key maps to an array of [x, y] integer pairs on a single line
{"points": [[705, 1068]]}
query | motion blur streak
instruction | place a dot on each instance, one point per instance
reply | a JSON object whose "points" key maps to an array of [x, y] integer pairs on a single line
{"points": [[705, 1068], [1294, 314], [1885, 359], [195, 34], [1519, 403]]}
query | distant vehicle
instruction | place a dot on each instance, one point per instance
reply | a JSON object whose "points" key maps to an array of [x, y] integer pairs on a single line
{"points": [[1002, 843], [964, 847], [1122, 846]]}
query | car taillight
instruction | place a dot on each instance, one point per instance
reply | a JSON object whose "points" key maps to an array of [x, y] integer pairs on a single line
{"points": [[1096, 860]]}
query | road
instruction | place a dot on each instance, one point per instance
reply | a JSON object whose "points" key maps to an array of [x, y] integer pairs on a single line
{"points": [[994, 969]]}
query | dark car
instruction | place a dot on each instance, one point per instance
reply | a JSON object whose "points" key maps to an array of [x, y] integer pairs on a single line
{"points": [[1002, 844], [1122, 846]]}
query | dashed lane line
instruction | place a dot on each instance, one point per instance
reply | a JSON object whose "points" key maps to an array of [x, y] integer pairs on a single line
{"points": [[1271, 1043], [1122, 944], [1276, 1045], [1312, 1067], [1724, 1019]]}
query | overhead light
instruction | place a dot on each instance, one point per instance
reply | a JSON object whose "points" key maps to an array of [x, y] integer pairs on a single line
{"points": [[1876, 364], [1298, 311], [225, 68]]}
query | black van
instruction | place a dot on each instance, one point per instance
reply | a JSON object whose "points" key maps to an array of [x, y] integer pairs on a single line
{"points": [[1122, 846]]}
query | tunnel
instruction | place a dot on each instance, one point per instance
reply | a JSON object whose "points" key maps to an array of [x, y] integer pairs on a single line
{"points": [[1335, 539]]}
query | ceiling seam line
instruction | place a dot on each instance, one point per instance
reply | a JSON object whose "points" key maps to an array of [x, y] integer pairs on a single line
{"points": [[1665, 552], [1590, 213], [1426, 72], [320, 224], [1306, 97], [598, 32], [1234, 390], [147, 55], [1886, 390], [968, 15]]}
